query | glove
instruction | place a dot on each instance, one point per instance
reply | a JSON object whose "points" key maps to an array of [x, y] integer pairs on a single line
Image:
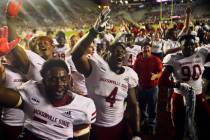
{"points": [[13, 7], [5, 46], [185, 88], [101, 21], [136, 138]]}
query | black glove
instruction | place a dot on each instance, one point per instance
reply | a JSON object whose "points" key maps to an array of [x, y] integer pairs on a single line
{"points": [[101, 21], [184, 87]]}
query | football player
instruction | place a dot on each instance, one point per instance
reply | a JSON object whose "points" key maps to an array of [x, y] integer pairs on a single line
{"points": [[109, 84], [51, 108], [187, 67]]}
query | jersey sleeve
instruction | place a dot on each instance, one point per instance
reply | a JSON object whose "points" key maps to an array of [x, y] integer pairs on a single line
{"points": [[35, 59], [70, 64], [27, 89], [22, 90], [97, 64], [91, 112], [96, 59], [168, 60], [204, 53], [133, 78]]}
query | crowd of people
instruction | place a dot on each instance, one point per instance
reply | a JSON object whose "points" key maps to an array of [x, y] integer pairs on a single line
{"points": [[103, 84]]}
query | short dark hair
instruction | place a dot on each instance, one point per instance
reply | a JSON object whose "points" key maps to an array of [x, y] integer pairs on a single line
{"points": [[52, 63], [117, 44], [34, 42], [146, 42], [60, 34]]}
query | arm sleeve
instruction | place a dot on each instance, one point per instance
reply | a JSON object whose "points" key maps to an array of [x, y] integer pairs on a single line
{"points": [[133, 79], [91, 112]]}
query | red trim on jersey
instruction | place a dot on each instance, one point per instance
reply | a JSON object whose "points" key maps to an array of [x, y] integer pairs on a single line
{"points": [[64, 101], [93, 118], [93, 114]]}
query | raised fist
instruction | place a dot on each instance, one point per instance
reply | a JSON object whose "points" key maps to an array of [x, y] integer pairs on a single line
{"points": [[5, 46], [102, 19], [13, 7]]}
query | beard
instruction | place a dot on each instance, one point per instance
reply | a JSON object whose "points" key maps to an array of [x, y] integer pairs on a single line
{"points": [[56, 94]]}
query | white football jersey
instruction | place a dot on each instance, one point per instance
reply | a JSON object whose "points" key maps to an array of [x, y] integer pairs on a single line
{"points": [[49, 122], [61, 53], [188, 69], [157, 46], [139, 39], [131, 54], [208, 47], [14, 78], [109, 90], [170, 44], [78, 78], [109, 37], [11, 116], [35, 66]]}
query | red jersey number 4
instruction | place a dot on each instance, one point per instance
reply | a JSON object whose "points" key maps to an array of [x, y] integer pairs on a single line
{"points": [[111, 98]]}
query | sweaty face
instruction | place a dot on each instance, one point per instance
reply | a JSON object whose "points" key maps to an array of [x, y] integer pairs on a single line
{"points": [[61, 40], [146, 50], [57, 83], [45, 49], [118, 56], [188, 48]]}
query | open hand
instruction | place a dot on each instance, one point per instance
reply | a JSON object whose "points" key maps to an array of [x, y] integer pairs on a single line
{"points": [[5, 46], [13, 7], [102, 19]]}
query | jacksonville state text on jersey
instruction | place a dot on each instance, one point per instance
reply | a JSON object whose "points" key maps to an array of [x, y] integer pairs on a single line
{"points": [[12, 116], [109, 90], [53, 123]]}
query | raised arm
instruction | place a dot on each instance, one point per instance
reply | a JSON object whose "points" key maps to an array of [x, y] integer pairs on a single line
{"points": [[17, 52], [187, 22], [78, 52], [5, 45]]}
